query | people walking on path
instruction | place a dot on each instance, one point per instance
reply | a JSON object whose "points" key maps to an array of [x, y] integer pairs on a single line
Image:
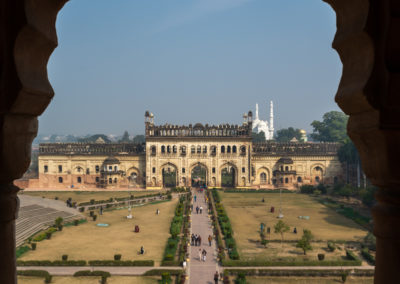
{"points": [[204, 254], [199, 240], [216, 277], [192, 240], [200, 254], [210, 239], [201, 209], [195, 198], [197, 209]]}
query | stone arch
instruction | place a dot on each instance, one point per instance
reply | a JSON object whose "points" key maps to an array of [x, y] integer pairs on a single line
{"points": [[230, 166], [201, 165], [260, 171], [365, 40], [166, 170], [134, 177], [76, 168], [317, 172]]}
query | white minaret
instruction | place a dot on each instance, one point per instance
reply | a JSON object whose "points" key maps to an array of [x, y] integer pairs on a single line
{"points": [[271, 121], [256, 112]]}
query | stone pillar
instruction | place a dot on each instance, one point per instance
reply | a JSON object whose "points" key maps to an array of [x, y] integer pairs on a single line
{"points": [[9, 205]]}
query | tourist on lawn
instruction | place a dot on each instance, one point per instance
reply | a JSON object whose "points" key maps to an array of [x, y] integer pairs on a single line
{"points": [[101, 210], [204, 253], [200, 254], [295, 230], [216, 276], [142, 250], [157, 211], [209, 239], [201, 209]]}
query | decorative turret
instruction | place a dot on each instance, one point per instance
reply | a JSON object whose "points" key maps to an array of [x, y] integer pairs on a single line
{"points": [[271, 121]]}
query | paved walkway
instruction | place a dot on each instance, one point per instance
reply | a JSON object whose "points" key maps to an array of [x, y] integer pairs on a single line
{"points": [[201, 272]]}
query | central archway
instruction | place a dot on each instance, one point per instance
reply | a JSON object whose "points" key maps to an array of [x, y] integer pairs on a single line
{"points": [[198, 175], [169, 175], [229, 175]]}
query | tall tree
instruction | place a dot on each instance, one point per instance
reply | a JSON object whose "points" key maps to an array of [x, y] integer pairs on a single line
{"points": [[281, 228], [287, 134], [139, 139], [258, 137], [332, 128], [305, 242], [348, 155], [125, 137]]}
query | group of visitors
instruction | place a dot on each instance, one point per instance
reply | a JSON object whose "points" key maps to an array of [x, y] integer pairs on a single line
{"points": [[202, 254], [196, 240], [199, 209]]}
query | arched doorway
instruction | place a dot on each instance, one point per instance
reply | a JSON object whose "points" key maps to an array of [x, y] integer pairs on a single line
{"points": [[228, 176], [169, 175], [317, 174], [199, 175]]}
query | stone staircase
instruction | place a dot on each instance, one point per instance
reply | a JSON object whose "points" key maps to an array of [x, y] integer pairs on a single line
{"points": [[37, 214]]}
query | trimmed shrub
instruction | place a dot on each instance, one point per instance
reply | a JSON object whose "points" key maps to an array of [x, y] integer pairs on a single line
{"points": [[321, 256], [94, 217], [48, 279], [308, 189], [51, 263], [121, 262], [33, 246], [33, 273], [350, 255], [331, 246], [117, 257], [91, 213], [48, 235], [64, 257], [76, 222], [369, 257], [291, 262]]}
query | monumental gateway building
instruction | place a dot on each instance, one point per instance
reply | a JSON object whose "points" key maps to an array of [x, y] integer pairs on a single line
{"points": [[211, 155]]}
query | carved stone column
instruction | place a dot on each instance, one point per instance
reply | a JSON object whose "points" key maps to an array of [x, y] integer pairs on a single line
{"points": [[368, 44], [9, 205]]}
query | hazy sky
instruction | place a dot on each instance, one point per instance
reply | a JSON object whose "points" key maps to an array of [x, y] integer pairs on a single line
{"points": [[190, 61]]}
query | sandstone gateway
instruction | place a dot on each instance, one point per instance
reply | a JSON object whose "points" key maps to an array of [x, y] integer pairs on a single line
{"points": [[222, 155]]}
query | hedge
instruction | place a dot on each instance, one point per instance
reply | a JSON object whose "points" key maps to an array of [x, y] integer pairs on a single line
{"points": [[92, 273], [350, 255], [369, 257], [43, 235], [157, 272], [21, 250], [34, 273], [51, 263], [291, 262], [310, 273], [121, 262], [253, 190]]}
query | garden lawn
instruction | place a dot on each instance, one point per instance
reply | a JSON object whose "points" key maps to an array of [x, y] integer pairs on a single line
{"points": [[91, 280], [90, 242], [246, 212], [86, 196], [308, 280]]}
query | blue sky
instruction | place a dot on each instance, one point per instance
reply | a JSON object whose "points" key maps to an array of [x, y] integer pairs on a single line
{"points": [[190, 61]]}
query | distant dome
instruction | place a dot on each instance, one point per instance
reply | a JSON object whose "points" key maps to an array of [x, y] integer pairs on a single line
{"points": [[302, 131], [198, 126], [111, 160]]}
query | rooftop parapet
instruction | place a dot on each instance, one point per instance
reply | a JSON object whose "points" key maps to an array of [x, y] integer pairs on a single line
{"points": [[295, 149], [119, 149]]}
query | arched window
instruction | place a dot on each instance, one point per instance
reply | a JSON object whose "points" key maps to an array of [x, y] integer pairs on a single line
{"points": [[153, 150], [193, 149], [183, 150], [213, 150], [115, 180], [228, 149], [168, 149], [204, 149], [115, 168], [198, 149], [174, 149], [79, 179], [60, 180], [281, 168], [299, 179], [286, 168], [162, 149], [234, 149], [317, 178], [110, 180], [243, 150], [263, 178], [286, 180], [281, 180], [222, 149]]}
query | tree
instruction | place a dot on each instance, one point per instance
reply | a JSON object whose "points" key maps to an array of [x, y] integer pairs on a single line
{"points": [[287, 134], [93, 138], [332, 128], [139, 139], [281, 228], [258, 137], [125, 137], [305, 242]]}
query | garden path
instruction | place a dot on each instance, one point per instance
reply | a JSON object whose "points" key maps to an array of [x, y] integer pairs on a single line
{"points": [[201, 272]]}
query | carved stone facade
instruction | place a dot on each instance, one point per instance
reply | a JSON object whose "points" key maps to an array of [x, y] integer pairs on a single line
{"points": [[218, 150]]}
